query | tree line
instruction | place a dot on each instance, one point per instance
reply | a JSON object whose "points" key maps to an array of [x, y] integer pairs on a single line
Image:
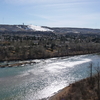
{"points": [[32, 46]]}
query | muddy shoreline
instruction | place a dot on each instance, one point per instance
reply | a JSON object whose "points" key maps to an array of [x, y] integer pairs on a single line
{"points": [[24, 61]]}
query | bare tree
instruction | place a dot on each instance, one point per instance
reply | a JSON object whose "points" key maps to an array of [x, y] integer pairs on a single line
{"points": [[91, 68], [98, 81]]}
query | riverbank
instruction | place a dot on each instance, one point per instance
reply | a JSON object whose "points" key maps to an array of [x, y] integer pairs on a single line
{"points": [[85, 89], [62, 93], [23, 61], [46, 57]]}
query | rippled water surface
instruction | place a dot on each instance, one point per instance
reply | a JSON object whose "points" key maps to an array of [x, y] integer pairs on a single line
{"points": [[43, 78]]}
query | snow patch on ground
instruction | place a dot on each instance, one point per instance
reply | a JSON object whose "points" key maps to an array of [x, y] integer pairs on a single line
{"points": [[38, 28], [19, 27]]}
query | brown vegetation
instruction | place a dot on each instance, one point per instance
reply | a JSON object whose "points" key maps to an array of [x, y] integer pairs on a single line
{"points": [[25, 46], [81, 90]]}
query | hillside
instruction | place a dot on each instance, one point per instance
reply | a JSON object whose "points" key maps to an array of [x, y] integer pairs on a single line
{"points": [[21, 42], [75, 30], [56, 30], [26, 28], [85, 89]]}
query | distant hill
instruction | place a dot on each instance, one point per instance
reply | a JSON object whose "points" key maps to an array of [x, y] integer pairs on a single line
{"points": [[26, 28], [56, 30], [75, 30]]}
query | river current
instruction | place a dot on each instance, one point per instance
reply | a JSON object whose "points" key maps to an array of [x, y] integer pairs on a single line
{"points": [[44, 78]]}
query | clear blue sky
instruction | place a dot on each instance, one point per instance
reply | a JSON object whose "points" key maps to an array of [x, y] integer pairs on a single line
{"points": [[53, 13]]}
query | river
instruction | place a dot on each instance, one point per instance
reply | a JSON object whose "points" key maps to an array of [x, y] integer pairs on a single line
{"points": [[44, 78]]}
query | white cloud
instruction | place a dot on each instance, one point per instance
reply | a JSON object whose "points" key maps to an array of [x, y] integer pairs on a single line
{"points": [[44, 1], [29, 1]]}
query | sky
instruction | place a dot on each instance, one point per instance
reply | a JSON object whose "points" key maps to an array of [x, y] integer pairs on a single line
{"points": [[52, 13]]}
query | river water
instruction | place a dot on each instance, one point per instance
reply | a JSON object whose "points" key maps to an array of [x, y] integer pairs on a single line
{"points": [[43, 78]]}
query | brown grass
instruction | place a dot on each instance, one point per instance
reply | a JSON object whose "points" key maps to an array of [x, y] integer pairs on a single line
{"points": [[82, 90]]}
